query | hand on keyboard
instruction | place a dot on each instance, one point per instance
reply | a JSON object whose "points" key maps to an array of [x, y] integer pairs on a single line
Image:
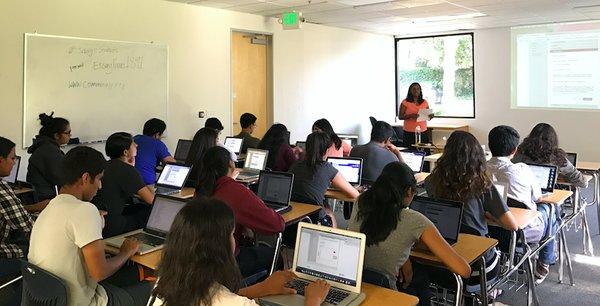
{"points": [[276, 283], [316, 292]]}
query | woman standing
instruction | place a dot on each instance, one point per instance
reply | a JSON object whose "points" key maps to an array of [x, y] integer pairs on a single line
{"points": [[409, 112]]}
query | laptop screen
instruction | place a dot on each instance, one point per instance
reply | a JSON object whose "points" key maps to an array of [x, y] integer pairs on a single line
{"points": [[352, 140], [183, 149], [12, 177], [173, 175], [301, 145], [414, 160], [256, 159], [445, 215], [233, 144], [572, 157], [163, 213], [275, 187], [545, 175], [350, 168], [331, 256]]}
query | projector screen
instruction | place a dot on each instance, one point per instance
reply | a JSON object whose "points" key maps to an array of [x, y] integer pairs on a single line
{"points": [[556, 66], [443, 66]]}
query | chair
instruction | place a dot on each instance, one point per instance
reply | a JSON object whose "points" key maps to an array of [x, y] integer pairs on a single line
{"points": [[376, 278], [41, 287]]}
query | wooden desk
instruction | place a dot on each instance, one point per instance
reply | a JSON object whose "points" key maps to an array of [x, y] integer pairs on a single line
{"points": [[339, 195], [522, 216], [470, 247], [557, 197], [588, 166], [377, 296]]}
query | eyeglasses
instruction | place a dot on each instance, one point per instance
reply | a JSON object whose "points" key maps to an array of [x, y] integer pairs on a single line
{"points": [[66, 133]]}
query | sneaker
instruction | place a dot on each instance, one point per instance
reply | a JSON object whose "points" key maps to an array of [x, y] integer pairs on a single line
{"points": [[541, 271]]}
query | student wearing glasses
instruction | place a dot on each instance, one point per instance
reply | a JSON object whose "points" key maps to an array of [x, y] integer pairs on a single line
{"points": [[248, 123]]}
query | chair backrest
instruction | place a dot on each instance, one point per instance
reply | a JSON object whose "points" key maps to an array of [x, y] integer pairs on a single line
{"points": [[515, 203], [41, 287], [375, 277]]}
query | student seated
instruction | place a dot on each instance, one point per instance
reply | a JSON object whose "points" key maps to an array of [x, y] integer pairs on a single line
{"points": [[151, 150], [121, 181], [215, 124], [378, 152], [522, 186], [44, 171], [338, 148], [392, 228], [248, 123], [277, 142], [313, 175], [66, 239], [461, 175], [217, 179], [204, 139], [207, 274], [541, 147]]}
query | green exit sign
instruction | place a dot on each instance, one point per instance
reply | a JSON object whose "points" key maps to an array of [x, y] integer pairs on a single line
{"points": [[290, 20]]}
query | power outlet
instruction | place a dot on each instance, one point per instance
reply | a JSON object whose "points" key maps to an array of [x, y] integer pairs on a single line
{"points": [[201, 114]]}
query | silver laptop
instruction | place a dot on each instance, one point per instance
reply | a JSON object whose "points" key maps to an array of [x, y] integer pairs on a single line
{"points": [[172, 178], [275, 189], [183, 150], [301, 145], [234, 144], [350, 139], [11, 179], [349, 167], [330, 254], [545, 175], [256, 161], [414, 159], [152, 237], [445, 215]]}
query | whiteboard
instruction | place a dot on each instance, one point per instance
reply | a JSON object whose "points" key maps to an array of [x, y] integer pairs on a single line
{"points": [[100, 86]]}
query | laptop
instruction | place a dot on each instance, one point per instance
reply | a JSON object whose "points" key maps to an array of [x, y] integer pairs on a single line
{"points": [[546, 176], [414, 159], [572, 157], [256, 161], [330, 254], [350, 139], [11, 179], [275, 189], [349, 167], [446, 215], [172, 178], [183, 150], [301, 145], [152, 236], [234, 144]]}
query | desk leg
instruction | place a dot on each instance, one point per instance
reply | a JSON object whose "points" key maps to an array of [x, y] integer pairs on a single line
{"points": [[459, 290], [531, 294], [561, 257], [588, 247], [512, 248], [483, 282], [565, 248]]}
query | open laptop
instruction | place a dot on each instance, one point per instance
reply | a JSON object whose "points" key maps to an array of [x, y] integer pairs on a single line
{"points": [[152, 236], [572, 157], [172, 178], [234, 144], [301, 145], [256, 161], [182, 151], [446, 215], [350, 139], [414, 159], [330, 254], [349, 167], [545, 175], [275, 189], [11, 179]]}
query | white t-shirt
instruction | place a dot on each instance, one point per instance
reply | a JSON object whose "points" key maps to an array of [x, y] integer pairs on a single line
{"points": [[522, 185], [223, 297], [63, 228]]}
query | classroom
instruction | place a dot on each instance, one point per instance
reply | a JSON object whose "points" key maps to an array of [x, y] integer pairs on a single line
{"points": [[342, 61]]}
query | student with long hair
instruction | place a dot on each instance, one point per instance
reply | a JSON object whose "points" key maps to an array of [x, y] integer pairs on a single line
{"points": [[409, 112], [313, 175], [392, 229], [198, 267], [541, 147], [277, 142], [44, 171], [461, 175], [217, 179], [338, 148], [204, 139]]}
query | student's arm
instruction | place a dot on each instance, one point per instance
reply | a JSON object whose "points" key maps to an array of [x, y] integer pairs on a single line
{"points": [[395, 150], [572, 175], [340, 183], [169, 159], [101, 267], [508, 221], [146, 194], [255, 215], [163, 154], [273, 285], [12, 211], [439, 247], [403, 114], [498, 210]]}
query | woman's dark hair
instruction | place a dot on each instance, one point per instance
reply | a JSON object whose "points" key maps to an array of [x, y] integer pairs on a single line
{"points": [[541, 146], [460, 172], [379, 207], [215, 164], [316, 147], [325, 126], [81, 160], [204, 139], [6, 145], [197, 254], [52, 125], [409, 95], [276, 136], [117, 143], [154, 126]]}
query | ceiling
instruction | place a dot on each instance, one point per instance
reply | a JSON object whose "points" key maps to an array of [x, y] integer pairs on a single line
{"points": [[403, 17]]}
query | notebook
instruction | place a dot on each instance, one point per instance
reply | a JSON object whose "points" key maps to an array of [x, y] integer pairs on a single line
{"points": [[414, 159], [11, 179], [349, 167], [172, 178], [152, 236], [545, 175], [234, 144], [256, 160], [333, 255], [183, 150], [275, 189], [445, 215]]}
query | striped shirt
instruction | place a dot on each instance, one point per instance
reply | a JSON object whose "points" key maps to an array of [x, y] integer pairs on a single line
{"points": [[13, 217]]}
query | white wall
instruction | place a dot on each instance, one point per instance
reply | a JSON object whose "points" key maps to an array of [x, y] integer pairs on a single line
{"points": [[319, 71]]}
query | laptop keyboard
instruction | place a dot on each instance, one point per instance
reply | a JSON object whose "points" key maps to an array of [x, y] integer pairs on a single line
{"points": [[334, 296], [148, 239], [166, 191]]}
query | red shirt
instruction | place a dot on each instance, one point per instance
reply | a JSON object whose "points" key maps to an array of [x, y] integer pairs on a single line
{"points": [[412, 108], [249, 210], [285, 158]]}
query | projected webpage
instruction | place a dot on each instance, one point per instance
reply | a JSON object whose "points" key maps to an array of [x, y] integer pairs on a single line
{"points": [[556, 66]]}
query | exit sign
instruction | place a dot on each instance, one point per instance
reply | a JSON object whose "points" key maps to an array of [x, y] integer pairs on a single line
{"points": [[290, 20]]}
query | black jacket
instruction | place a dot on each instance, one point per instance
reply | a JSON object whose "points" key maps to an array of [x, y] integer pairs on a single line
{"points": [[44, 171]]}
